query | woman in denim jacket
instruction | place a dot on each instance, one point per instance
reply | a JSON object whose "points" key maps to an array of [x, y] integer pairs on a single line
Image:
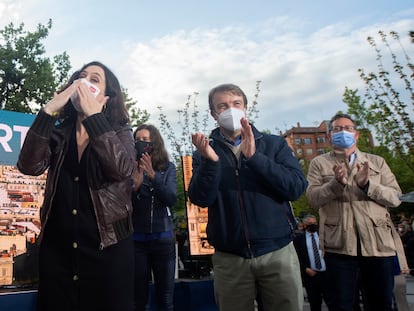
{"points": [[154, 192]]}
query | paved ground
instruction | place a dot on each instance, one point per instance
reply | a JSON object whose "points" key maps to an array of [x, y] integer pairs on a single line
{"points": [[410, 291], [410, 296]]}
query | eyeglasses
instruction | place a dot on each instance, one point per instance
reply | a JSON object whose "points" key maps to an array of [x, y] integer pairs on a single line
{"points": [[348, 128]]}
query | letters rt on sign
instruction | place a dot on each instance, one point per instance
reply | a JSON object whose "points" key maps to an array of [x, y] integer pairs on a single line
{"points": [[13, 130]]}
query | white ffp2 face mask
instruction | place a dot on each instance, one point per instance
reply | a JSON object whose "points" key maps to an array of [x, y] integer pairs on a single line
{"points": [[74, 97], [230, 119]]}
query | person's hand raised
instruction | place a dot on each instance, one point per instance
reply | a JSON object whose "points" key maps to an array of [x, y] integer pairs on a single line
{"points": [[362, 175], [88, 102], [145, 164], [341, 173], [202, 144], [248, 144], [60, 100], [137, 177]]}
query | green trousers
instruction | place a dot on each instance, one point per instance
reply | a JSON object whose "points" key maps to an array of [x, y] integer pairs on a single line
{"points": [[274, 276]]}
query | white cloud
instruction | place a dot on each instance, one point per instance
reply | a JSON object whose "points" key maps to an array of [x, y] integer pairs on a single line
{"points": [[9, 9], [304, 64], [303, 75]]}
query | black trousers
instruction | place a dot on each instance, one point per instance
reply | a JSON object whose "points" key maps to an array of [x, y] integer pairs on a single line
{"points": [[316, 290], [158, 257], [376, 276]]}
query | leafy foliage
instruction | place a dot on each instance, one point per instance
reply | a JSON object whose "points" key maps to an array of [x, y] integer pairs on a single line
{"points": [[391, 99], [179, 207], [182, 145], [252, 111], [137, 115], [360, 115], [27, 77], [388, 110], [190, 120], [301, 206]]}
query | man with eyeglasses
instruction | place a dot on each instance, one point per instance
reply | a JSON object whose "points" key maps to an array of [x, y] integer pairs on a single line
{"points": [[352, 191]]}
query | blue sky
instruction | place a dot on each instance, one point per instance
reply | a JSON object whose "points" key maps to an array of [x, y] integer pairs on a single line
{"points": [[304, 52]]}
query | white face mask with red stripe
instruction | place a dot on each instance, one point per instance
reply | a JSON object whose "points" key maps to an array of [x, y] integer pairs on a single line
{"points": [[74, 97]]}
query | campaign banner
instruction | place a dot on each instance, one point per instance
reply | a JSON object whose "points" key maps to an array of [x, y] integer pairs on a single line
{"points": [[20, 199], [13, 130], [197, 217]]}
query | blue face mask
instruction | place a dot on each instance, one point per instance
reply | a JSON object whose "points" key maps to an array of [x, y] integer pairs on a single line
{"points": [[343, 139]]}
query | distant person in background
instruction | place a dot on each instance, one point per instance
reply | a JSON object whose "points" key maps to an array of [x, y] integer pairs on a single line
{"points": [[400, 271], [312, 264], [83, 138], [405, 231], [181, 236], [154, 193], [300, 227], [352, 191]]}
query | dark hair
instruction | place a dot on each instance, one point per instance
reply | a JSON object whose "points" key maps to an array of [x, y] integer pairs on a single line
{"points": [[115, 110], [340, 116], [232, 88], [159, 155]]}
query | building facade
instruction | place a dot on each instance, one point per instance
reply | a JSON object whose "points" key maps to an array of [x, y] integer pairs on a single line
{"points": [[308, 142]]}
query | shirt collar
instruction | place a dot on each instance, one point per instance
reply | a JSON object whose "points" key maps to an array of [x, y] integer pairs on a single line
{"points": [[352, 157], [236, 142]]}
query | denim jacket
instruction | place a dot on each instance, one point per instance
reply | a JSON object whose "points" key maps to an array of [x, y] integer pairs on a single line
{"points": [[153, 200]]}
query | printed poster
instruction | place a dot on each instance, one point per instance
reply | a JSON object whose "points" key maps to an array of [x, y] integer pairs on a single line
{"points": [[197, 217], [20, 199]]}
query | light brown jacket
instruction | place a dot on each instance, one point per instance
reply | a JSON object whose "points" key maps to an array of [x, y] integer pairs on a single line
{"points": [[347, 212]]}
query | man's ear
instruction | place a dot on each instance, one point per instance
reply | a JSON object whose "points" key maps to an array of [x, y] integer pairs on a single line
{"points": [[214, 115], [330, 138], [356, 135]]}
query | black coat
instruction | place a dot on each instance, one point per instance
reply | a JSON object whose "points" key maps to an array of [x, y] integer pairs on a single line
{"points": [[302, 251]]}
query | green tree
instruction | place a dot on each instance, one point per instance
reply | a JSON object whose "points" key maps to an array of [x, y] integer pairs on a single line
{"points": [[359, 113], [387, 110], [252, 111], [28, 78], [137, 115], [390, 98], [301, 206], [180, 208], [403, 173], [180, 141], [191, 120]]}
